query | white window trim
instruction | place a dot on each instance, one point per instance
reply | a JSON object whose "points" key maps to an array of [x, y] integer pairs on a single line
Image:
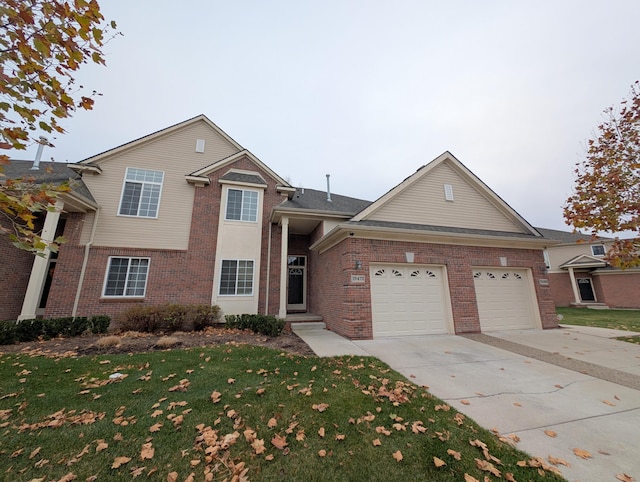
{"points": [[106, 277], [238, 188], [253, 278], [603, 249], [124, 183]]}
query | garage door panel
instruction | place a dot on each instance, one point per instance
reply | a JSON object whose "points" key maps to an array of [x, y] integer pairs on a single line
{"points": [[504, 299], [407, 300]]}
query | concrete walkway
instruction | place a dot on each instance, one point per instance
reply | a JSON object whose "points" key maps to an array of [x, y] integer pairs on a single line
{"points": [[575, 381]]}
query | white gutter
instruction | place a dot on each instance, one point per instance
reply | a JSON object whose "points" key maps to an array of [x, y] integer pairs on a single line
{"points": [[83, 270]]}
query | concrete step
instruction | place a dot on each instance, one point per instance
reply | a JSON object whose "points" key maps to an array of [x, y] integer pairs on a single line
{"points": [[309, 325]]}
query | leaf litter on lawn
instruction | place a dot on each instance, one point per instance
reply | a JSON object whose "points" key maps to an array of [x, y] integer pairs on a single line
{"points": [[238, 411]]}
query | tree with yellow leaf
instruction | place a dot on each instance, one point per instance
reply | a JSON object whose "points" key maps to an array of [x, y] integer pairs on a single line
{"points": [[42, 45], [607, 188]]}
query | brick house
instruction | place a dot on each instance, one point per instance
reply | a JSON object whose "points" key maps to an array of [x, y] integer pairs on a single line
{"points": [[187, 215], [579, 274]]}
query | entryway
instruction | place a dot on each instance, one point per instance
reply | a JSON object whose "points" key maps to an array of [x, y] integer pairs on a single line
{"points": [[297, 283]]}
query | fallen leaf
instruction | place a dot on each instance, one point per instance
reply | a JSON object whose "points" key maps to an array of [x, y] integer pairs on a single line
{"points": [[438, 462], [279, 442], [321, 432], [300, 436], [269, 457], [272, 422], [454, 454], [557, 461], [607, 402], [376, 442], [322, 453], [582, 453], [102, 445], [68, 478], [465, 402], [488, 467], [172, 477], [340, 436], [550, 433], [258, 446], [625, 478], [469, 478], [517, 404], [397, 455], [147, 451], [320, 407], [231, 381], [34, 453], [155, 427], [216, 396], [119, 461]]}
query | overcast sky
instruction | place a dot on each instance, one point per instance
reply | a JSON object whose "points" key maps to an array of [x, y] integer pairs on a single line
{"points": [[369, 91]]}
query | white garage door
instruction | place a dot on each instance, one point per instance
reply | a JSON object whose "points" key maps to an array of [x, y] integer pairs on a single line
{"points": [[408, 300], [504, 299]]}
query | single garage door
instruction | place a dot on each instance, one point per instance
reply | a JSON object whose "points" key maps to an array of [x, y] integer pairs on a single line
{"points": [[504, 299], [408, 300]]}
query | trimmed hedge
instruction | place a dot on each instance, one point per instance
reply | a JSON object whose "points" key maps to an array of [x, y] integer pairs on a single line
{"points": [[264, 324], [169, 318], [35, 329]]}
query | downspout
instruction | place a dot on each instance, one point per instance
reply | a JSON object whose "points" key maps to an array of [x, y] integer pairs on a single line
{"points": [[266, 302], [83, 270]]}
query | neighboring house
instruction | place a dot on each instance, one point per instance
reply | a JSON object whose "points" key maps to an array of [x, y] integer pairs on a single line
{"points": [[580, 276], [186, 215]]}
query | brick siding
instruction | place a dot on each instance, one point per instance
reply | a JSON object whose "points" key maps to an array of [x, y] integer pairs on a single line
{"points": [[15, 268]]}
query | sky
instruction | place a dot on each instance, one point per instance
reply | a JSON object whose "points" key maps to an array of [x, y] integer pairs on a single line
{"points": [[370, 91]]}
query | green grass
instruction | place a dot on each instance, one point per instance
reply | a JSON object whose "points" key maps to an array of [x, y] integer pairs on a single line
{"points": [[628, 320], [61, 416]]}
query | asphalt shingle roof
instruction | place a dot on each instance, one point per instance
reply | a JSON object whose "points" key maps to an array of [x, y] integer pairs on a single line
{"points": [[312, 199], [567, 237], [442, 229], [241, 177]]}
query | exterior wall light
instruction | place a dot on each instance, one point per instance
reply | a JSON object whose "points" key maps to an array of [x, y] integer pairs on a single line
{"points": [[358, 264]]}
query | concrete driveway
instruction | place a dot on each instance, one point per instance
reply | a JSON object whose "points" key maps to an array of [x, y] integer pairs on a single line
{"points": [[576, 382]]}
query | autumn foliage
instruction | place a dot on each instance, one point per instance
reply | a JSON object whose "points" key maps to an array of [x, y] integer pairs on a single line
{"points": [[42, 44], [606, 195]]}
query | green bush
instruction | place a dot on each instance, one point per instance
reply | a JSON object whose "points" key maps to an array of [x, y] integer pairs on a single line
{"points": [[265, 324], [169, 318], [34, 329]]}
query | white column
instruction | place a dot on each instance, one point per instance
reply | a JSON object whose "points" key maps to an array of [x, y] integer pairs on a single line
{"points": [[284, 271], [40, 265], [574, 285]]}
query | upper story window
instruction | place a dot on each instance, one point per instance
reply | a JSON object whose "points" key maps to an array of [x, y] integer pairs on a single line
{"points": [[242, 205], [141, 193], [597, 249], [126, 277]]}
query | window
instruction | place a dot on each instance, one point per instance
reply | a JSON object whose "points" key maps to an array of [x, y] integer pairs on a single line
{"points": [[597, 250], [236, 277], [126, 277], [242, 205], [141, 193]]}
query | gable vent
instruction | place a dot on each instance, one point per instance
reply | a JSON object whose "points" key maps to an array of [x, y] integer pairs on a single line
{"points": [[448, 192], [199, 145]]}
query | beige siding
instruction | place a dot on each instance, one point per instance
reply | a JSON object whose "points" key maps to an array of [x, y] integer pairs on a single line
{"points": [[559, 255], [175, 155], [423, 202]]}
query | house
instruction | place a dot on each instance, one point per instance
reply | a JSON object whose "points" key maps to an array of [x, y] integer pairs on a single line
{"points": [[579, 274], [187, 215]]}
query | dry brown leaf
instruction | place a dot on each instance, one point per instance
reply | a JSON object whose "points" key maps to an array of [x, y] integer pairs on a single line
{"points": [[322, 453], [279, 442], [550, 433], [320, 407], [517, 404], [231, 381], [272, 422], [582, 453], [300, 436], [102, 445], [340, 436], [137, 471], [260, 391], [321, 432], [155, 427], [509, 477], [269, 457], [119, 461], [68, 478], [470, 478], [397, 455], [607, 402], [625, 478], [216, 396], [465, 402], [454, 454], [418, 427], [376, 442], [258, 446], [147, 451], [438, 462], [34, 453], [557, 461], [172, 477], [488, 467]]}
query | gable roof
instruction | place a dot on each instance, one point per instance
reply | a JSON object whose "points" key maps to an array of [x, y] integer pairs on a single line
{"points": [[584, 261], [568, 237], [492, 199], [314, 200], [162, 132]]}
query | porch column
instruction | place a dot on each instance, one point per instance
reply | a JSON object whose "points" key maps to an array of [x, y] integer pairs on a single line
{"points": [[284, 252], [40, 264], [574, 285]]}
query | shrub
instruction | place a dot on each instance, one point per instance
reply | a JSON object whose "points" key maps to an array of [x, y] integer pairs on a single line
{"points": [[29, 330], [167, 342], [265, 324], [108, 341], [169, 318], [7, 332], [99, 324]]}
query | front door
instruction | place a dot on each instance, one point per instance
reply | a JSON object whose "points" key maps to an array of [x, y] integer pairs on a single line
{"points": [[297, 283], [586, 289]]}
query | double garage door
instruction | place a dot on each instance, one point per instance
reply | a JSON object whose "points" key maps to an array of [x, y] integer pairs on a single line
{"points": [[414, 300]]}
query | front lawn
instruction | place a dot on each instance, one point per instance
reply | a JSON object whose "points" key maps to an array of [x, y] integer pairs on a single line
{"points": [[252, 412], [628, 320]]}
